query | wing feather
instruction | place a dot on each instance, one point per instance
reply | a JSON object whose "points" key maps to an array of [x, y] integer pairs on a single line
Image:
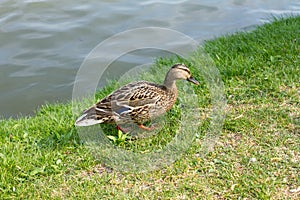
{"points": [[131, 102]]}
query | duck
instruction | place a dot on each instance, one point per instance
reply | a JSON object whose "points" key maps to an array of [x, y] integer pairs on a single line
{"points": [[137, 102]]}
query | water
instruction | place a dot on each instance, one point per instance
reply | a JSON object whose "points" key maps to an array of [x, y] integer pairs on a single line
{"points": [[43, 43]]}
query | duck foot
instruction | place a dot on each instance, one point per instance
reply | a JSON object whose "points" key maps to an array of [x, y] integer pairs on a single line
{"points": [[122, 129], [141, 126]]}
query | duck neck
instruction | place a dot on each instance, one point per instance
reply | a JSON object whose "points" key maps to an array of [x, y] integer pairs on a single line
{"points": [[170, 84]]}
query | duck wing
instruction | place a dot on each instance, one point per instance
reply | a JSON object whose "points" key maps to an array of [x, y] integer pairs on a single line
{"points": [[134, 102]]}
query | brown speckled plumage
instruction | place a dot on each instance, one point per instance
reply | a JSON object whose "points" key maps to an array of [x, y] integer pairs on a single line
{"points": [[137, 102]]}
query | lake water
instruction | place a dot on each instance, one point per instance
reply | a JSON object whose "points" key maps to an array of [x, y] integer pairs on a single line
{"points": [[43, 43]]}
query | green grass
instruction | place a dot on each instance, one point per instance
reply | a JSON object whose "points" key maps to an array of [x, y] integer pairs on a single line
{"points": [[257, 155]]}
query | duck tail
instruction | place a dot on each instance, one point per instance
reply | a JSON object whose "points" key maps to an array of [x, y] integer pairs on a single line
{"points": [[89, 118]]}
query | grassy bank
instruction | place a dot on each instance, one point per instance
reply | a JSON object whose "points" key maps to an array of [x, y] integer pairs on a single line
{"points": [[256, 157]]}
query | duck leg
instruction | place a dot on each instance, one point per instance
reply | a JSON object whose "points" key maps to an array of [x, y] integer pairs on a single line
{"points": [[122, 129], [141, 126]]}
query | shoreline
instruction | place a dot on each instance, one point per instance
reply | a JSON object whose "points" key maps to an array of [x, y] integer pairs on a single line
{"points": [[256, 156]]}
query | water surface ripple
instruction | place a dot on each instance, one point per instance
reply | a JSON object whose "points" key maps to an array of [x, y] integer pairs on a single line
{"points": [[43, 42]]}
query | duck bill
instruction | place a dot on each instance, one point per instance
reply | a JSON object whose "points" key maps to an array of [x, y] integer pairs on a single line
{"points": [[192, 80]]}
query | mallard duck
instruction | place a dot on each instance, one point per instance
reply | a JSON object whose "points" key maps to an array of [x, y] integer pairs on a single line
{"points": [[137, 102]]}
